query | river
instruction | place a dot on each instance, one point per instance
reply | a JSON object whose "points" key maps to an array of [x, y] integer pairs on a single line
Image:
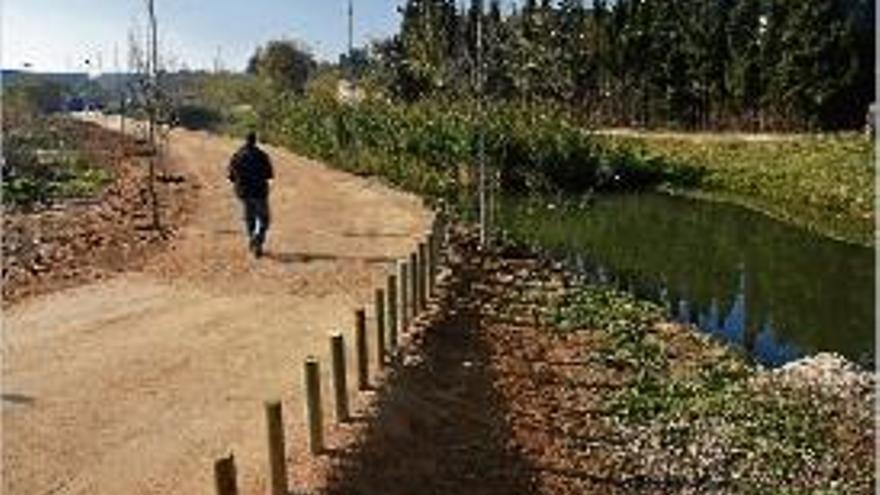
{"points": [[777, 291]]}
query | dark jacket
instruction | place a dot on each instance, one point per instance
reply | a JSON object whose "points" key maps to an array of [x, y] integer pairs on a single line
{"points": [[250, 170]]}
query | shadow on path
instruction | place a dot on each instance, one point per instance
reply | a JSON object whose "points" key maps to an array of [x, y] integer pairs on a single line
{"points": [[310, 257], [19, 399], [438, 427]]}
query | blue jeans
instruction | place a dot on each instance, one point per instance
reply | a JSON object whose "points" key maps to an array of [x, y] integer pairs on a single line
{"points": [[256, 219]]}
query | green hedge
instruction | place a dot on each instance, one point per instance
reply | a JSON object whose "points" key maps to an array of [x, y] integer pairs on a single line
{"points": [[422, 146]]}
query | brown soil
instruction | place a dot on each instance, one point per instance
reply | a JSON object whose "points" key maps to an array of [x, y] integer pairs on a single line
{"points": [[437, 425], [75, 241], [136, 383], [487, 397]]}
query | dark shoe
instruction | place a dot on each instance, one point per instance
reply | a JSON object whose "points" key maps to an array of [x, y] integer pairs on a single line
{"points": [[258, 250]]}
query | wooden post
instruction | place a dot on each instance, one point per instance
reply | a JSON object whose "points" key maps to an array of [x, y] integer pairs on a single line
{"points": [[432, 263], [403, 280], [439, 236], [313, 406], [379, 307], [225, 476], [360, 343], [277, 467], [340, 387], [414, 285], [403, 307], [440, 220], [391, 294], [423, 276]]}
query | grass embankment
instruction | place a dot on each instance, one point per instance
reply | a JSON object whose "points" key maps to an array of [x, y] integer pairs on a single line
{"points": [[821, 182], [704, 413], [608, 397], [529, 380], [824, 183], [46, 163]]}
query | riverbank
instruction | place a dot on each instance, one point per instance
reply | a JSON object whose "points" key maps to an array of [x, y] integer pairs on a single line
{"points": [[777, 291], [529, 380], [820, 182], [824, 183]]}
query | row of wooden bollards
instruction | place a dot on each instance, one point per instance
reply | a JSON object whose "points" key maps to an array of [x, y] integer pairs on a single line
{"points": [[403, 300]]}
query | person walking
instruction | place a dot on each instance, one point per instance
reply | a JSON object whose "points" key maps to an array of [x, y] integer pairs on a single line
{"points": [[250, 170]]}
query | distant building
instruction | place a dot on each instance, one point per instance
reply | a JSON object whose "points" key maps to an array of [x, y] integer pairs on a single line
{"points": [[64, 79], [80, 91]]}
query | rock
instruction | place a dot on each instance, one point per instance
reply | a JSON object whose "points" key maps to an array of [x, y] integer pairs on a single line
{"points": [[825, 372]]}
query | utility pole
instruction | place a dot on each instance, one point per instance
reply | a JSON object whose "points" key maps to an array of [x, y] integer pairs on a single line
{"points": [[218, 60], [350, 28], [481, 155], [352, 70], [153, 99]]}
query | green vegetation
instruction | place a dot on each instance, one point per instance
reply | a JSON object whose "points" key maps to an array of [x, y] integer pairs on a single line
{"points": [[708, 405], [821, 182], [424, 146], [44, 164], [28, 98], [552, 70], [284, 64]]}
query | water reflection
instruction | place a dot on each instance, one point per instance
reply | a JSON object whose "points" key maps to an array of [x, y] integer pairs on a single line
{"points": [[774, 290]]}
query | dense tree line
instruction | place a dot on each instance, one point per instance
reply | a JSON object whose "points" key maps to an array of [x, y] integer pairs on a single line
{"points": [[748, 64]]}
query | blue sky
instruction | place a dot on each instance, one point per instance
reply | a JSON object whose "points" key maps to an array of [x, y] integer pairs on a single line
{"points": [[59, 35]]}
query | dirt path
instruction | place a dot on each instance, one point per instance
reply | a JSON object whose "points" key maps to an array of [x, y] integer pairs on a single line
{"points": [[135, 385]]}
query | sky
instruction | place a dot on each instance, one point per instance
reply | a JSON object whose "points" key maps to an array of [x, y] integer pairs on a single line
{"points": [[60, 35]]}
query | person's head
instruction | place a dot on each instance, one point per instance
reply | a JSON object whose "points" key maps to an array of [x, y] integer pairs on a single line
{"points": [[251, 138]]}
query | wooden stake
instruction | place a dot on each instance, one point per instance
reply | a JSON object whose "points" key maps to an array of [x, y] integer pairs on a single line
{"points": [[423, 276], [360, 342], [225, 476], [432, 263], [313, 406], [403, 307], [414, 285], [441, 234], [379, 307], [340, 385], [277, 467], [391, 295]]}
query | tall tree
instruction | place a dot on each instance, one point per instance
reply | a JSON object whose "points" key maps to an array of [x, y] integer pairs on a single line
{"points": [[285, 64], [744, 71], [694, 63]]}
